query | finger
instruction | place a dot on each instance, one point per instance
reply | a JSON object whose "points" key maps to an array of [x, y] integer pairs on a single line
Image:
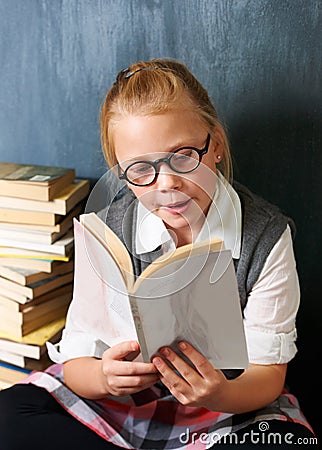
{"points": [[187, 372], [131, 368], [139, 381], [123, 385], [169, 378], [201, 364], [131, 356], [129, 390], [123, 349]]}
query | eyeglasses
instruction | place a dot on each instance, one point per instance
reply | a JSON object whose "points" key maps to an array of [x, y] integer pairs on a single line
{"points": [[182, 160]]}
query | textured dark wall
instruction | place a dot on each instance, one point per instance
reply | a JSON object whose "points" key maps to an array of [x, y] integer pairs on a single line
{"points": [[260, 61]]}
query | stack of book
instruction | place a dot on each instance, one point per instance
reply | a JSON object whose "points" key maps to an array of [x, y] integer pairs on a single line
{"points": [[28, 353], [37, 207]]}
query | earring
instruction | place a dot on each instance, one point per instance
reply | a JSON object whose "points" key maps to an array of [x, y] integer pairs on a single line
{"points": [[218, 157]]}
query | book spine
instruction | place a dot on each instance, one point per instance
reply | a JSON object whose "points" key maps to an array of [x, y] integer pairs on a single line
{"points": [[13, 367], [139, 328]]}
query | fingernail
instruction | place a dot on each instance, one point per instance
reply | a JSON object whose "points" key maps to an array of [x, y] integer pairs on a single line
{"points": [[182, 345], [157, 361], [165, 352]]}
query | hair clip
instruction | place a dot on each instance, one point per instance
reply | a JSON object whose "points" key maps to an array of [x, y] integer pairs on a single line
{"points": [[127, 73]]}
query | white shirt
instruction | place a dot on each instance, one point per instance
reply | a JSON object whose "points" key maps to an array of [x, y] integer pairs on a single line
{"points": [[270, 312]]}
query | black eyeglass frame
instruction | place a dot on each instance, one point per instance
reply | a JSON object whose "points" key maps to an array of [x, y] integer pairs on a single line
{"points": [[167, 160]]}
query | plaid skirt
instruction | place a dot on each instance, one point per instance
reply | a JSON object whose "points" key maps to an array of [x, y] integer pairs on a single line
{"points": [[154, 419]]}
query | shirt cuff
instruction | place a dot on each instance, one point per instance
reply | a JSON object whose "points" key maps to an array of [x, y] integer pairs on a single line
{"points": [[74, 345], [270, 348]]}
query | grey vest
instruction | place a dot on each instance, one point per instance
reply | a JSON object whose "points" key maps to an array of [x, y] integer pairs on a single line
{"points": [[262, 226]]}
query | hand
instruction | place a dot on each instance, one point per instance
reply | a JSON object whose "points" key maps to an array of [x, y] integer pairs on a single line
{"points": [[202, 386], [124, 377]]}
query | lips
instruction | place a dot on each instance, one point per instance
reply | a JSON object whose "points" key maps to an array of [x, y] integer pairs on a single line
{"points": [[177, 207]]}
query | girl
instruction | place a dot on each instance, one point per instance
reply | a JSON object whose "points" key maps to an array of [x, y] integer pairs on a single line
{"points": [[161, 135]]}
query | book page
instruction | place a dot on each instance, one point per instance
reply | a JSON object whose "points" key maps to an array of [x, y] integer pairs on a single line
{"points": [[100, 301], [109, 240], [196, 300]]}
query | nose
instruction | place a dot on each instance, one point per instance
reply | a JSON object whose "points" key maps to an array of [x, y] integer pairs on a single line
{"points": [[167, 178]]}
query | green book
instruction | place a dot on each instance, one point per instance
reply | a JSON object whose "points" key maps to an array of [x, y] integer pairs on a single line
{"points": [[32, 181]]}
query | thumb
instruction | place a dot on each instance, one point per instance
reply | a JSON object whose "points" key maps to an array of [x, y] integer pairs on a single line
{"points": [[124, 349]]}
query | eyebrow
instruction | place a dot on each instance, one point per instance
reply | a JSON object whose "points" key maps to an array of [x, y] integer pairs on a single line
{"points": [[171, 150]]}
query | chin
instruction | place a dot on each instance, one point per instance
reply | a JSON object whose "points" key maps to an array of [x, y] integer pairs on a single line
{"points": [[174, 222]]}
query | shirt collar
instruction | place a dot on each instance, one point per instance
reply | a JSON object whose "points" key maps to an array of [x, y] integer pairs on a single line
{"points": [[223, 221], [150, 231]]}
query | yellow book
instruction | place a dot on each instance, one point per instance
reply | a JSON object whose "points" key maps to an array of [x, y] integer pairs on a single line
{"points": [[32, 345], [39, 336], [8, 254]]}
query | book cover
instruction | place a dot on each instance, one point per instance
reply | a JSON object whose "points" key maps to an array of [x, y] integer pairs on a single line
{"points": [[30, 312], [31, 173], [26, 217], [39, 262], [27, 276], [63, 225], [38, 336], [36, 236], [10, 374], [15, 305], [11, 289], [23, 362], [63, 203], [34, 351], [33, 181], [8, 254], [18, 330], [60, 247], [190, 294]]}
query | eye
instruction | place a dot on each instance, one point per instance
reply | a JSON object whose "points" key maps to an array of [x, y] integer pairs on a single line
{"points": [[182, 155], [140, 171], [141, 168]]}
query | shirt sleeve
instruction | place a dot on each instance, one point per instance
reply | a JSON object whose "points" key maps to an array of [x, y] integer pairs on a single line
{"points": [[271, 309], [76, 342]]}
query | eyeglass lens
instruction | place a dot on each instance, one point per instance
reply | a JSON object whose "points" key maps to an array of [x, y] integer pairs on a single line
{"points": [[183, 161]]}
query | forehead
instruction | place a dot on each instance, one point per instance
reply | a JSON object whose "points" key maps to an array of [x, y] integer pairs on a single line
{"points": [[136, 135]]}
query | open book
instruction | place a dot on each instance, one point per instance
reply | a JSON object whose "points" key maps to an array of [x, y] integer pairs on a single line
{"points": [[190, 293]]}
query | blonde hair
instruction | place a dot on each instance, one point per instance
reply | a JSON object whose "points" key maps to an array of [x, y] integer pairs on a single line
{"points": [[156, 87]]}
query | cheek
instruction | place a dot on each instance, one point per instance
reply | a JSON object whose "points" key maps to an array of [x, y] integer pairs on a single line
{"points": [[204, 180], [136, 190], [146, 195]]}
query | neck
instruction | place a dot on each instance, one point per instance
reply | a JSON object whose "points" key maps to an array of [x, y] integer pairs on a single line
{"points": [[185, 235]]}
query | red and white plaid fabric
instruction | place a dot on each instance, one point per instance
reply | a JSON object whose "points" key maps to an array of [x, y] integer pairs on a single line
{"points": [[153, 419]]}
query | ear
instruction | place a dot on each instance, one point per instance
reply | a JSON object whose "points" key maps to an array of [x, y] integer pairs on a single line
{"points": [[219, 138]]}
